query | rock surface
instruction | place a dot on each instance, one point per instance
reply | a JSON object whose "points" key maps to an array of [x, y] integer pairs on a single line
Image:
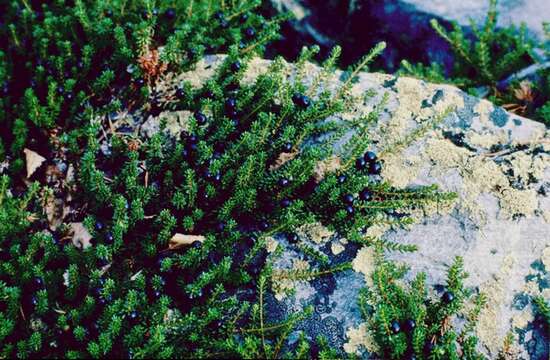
{"points": [[497, 163], [404, 24], [531, 12]]}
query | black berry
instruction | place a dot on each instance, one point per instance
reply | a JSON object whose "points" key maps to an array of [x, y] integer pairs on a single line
{"points": [[341, 179], [170, 13], [365, 195], [287, 147], [231, 104], [232, 114], [133, 315], [249, 32], [264, 225], [360, 164], [60, 90], [38, 282], [201, 118], [349, 209], [220, 226], [447, 297], [285, 203], [140, 82], [236, 66], [375, 168], [292, 238], [409, 325], [217, 177], [99, 225], [395, 327], [180, 93], [243, 18], [283, 182], [348, 198], [370, 156], [218, 15], [301, 100], [196, 244], [109, 238], [208, 94]]}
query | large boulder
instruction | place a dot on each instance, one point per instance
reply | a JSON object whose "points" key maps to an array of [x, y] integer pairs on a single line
{"points": [[499, 166], [403, 24], [531, 12]]}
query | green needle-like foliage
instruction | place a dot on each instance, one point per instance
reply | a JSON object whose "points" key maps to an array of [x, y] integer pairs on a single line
{"points": [[92, 263], [408, 322]]}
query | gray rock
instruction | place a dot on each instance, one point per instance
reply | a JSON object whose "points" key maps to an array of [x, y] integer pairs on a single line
{"points": [[531, 12], [496, 162]]}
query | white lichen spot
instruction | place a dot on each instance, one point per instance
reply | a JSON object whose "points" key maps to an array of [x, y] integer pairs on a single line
{"points": [[316, 232], [271, 244], [337, 248], [377, 230], [358, 338], [521, 320], [364, 263], [518, 202]]}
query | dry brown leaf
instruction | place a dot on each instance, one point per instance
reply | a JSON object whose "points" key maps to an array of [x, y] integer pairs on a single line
{"points": [[525, 91], [34, 160], [179, 240], [322, 168], [81, 236], [151, 65], [283, 159]]}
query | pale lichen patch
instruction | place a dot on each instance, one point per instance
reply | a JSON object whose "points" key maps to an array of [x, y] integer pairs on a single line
{"points": [[337, 248], [518, 202], [357, 338], [489, 326], [271, 244], [400, 171], [444, 154], [486, 140], [377, 230], [364, 263], [522, 319], [316, 232]]}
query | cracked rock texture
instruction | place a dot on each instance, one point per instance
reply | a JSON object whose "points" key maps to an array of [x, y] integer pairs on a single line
{"points": [[499, 166]]}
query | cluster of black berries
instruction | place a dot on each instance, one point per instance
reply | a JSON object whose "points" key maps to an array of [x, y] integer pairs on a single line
{"points": [[170, 13], [409, 325], [369, 162]]}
